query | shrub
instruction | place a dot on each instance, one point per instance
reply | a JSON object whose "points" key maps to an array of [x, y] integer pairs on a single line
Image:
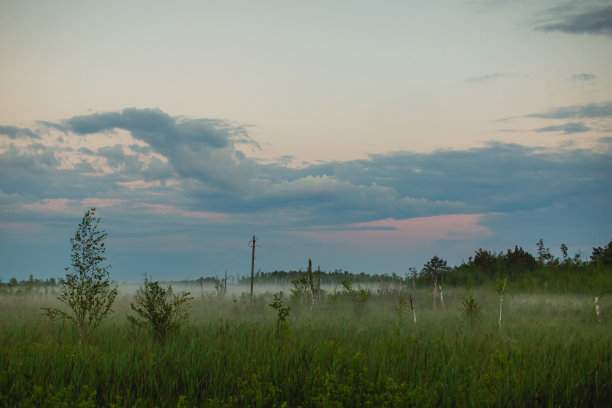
{"points": [[470, 309], [156, 312], [282, 311], [359, 296]]}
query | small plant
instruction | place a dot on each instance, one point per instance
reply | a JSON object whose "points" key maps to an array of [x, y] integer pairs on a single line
{"points": [[470, 309], [220, 287], [402, 305], [359, 296], [87, 290], [301, 289], [282, 313], [156, 312], [401, 309]]}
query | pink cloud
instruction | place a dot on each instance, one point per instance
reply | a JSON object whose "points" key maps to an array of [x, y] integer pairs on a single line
{"points": [[170, 209], [101, 202], [393, 233], [59, 205]]}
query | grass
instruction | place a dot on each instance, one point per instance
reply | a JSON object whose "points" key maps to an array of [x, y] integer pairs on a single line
{"points": [[550, 351]]}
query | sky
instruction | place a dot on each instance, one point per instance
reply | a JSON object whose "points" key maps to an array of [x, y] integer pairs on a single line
{"points": [[368, 136]]}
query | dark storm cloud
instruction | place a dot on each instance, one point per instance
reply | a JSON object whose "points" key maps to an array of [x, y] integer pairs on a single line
{"points": [[14, 132], [592, 21], [589, 111], [568, 128]]}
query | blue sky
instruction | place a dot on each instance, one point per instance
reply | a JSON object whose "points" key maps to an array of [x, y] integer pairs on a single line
{"points": [[368, 137]]}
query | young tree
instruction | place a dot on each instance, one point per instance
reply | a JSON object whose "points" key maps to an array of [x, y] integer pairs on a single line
{"points": [[486, 261], [435, 267], [86, 289], [543, 253], [564, 252], [602, 256]]}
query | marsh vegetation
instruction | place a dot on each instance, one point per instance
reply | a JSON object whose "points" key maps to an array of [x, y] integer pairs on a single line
{"points": [[549, 351], [313, 339]]}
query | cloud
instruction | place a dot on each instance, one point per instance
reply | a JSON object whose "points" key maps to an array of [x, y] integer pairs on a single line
{"points": [[116, 157], [14, 132], [590, 111], [584, 77], [202, 149], [400, 233], [195, 175], [593, 21], [154, 127], [59, 205], [496, 76], [174, 190], [568, 128], [101, 202]]}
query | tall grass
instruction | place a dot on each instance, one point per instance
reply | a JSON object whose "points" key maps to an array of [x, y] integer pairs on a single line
{"points": [[550, 351]]}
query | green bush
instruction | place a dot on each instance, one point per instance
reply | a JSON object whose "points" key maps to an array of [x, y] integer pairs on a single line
{"points": [[156, 312]]}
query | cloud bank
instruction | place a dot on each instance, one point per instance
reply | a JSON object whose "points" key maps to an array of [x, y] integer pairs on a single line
{"points": [[171, 184]]}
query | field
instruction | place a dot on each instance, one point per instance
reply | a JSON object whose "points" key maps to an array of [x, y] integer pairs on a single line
{"points": [[549, 351]]}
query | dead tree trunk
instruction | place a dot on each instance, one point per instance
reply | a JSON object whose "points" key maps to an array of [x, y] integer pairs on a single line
{"points": [[434, 289], [311, 282], [597, 309]]}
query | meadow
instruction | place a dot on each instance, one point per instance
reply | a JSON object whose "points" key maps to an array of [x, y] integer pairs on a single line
{"points": [[549, 351]]}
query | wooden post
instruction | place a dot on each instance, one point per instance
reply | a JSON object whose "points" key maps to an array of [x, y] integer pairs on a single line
{"points": [[253, 244]]}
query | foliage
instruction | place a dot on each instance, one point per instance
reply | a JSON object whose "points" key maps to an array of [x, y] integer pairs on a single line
{"points": [[470, 309], [602, 256], [501, 287], [485, 260], [359, 296], [435, 268], [155, 312], [544, 255], [331, 361], [87, 289], [220, 286], [301, 289], [282, 313]]}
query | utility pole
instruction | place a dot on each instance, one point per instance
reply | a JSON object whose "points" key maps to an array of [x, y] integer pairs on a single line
{"points": [[253, 244]]}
